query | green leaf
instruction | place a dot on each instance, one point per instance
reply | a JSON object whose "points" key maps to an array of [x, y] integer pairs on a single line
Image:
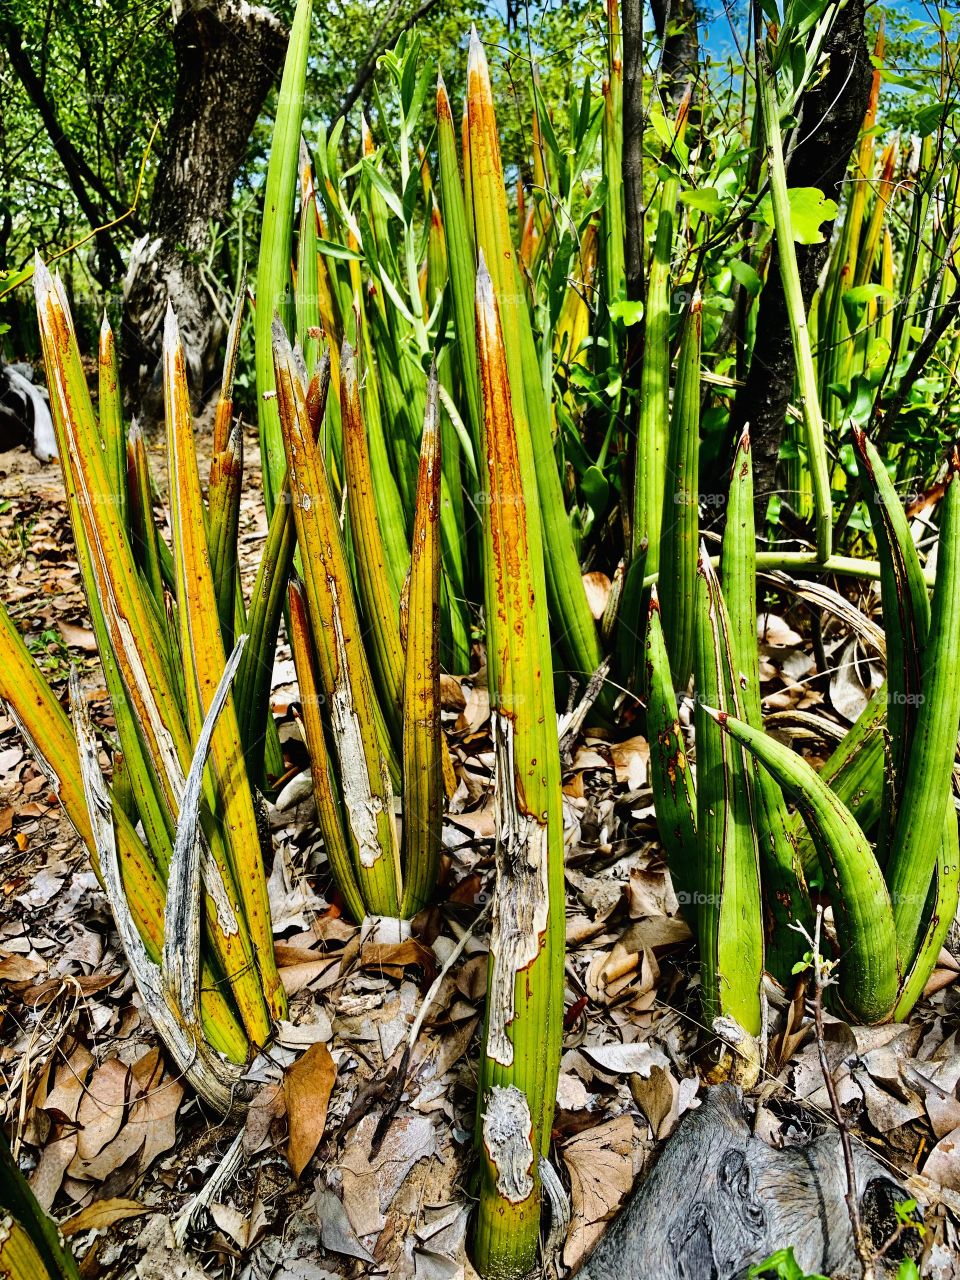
{"points": [[809, 207], [330, 249], [627, 312], [745, 275], [706, 199], [596, 490]]}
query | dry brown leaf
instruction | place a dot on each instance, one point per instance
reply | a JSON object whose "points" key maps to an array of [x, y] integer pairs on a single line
{"points": [[61, 1103], [943, 1162], [307, 1085], [370, 1182], [16, 969], [241, 1229], [476, 709], [451, 694], [267, 1105], [481, 823], [600, 1164], [156, 1112], [630, 761], [391, 957], [302, 967], [101, 1108], [775, 632], [655, 1096], [102, 1213], [78, 637]]}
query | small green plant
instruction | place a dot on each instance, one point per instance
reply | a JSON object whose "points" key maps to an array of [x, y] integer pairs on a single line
{"points": [[782, 1265], [51, 654]]}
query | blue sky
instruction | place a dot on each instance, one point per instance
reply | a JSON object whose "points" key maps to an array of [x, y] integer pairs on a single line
{"points": [[715, 29]]}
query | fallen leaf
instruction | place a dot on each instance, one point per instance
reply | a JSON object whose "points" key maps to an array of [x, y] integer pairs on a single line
{"points": [[943, 1163], [630, 760], [307, 1086], [78, 637], [655, 1097], [102, 1213], [267, 1105], [773, 631], [101, 1108], [371, 1182], [336, 1232], [600, 1164], [16, 969], [623, 1059], [390, 958]]}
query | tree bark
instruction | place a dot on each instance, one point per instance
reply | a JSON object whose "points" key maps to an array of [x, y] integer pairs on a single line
{"points": [[676, 25], [831, 116], [228, 54], [632, 28], [720, 1200]]}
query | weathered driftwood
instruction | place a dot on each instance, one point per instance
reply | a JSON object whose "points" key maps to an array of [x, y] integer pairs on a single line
{"points": [[720, 1200]]}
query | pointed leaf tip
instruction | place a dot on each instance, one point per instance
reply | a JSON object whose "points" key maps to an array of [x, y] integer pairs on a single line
{"points": [[476, 55], [279, 334], [42, 279], [171, 330]]}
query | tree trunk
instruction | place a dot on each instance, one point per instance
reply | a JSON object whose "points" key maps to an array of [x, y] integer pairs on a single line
{"points": [[632, 28], [676, 25], [228, 54], [834, 110], [720, 1200]]}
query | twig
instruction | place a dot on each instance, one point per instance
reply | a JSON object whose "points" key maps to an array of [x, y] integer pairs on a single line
{"points": [[821, 980], [571, 722], [400, 1079], [221, 1175]]}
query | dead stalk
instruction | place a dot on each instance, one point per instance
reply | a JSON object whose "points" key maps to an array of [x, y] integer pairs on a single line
{"points": [[821, 980]]}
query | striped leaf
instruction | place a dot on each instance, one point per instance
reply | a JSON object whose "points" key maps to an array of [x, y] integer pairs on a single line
{"points": [[524, 1017], [346, 682], [422, 735]]}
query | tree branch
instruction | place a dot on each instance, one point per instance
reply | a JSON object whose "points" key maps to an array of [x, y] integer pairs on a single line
{"points": [[378, 46]]}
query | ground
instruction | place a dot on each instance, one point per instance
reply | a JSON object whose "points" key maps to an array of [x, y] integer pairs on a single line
{"points": [[337, 1169]]}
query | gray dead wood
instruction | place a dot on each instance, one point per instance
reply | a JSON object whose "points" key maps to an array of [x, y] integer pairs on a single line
{"points": [[720, 1200]]}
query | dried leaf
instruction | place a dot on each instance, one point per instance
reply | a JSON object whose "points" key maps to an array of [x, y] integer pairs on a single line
{"points": [[630, 761], [101, 1214], [600, 1164], [307, 1086], [102, 1107], [943, 1162], [655, 1096]]}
